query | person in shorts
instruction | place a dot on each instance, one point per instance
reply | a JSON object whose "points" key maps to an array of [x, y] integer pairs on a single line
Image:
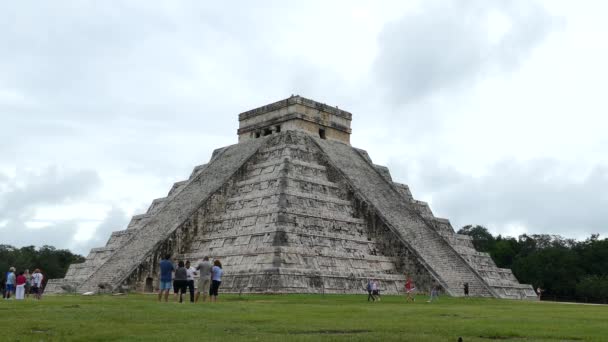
{"points": [[166, 269], [10, 282], [216, 279], [181, 279], [37, 278], [204, 281]]}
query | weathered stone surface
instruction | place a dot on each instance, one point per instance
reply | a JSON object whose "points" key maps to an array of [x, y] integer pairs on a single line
{"points": [[292, 212]]}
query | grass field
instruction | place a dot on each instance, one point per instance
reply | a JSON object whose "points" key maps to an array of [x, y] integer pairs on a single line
{"points": [[298, 318]]}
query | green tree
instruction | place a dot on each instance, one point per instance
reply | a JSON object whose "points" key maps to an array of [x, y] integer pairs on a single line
{"points": [[53, 262], [482, 238]]}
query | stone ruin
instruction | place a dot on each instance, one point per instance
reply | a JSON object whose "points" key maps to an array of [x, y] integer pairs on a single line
{"points": [[293, 208]]}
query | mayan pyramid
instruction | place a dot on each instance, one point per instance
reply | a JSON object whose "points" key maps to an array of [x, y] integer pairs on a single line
{"points": [[294, 208]]}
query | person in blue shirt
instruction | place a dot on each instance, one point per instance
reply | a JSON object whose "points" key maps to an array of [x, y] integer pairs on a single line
{"points": [[216, 280], [166, 269], [10, 282]]}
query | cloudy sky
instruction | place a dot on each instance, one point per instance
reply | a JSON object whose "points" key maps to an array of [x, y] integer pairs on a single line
{"points": [[493, 111]]}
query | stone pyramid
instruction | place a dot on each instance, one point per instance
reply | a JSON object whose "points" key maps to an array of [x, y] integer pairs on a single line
{"points": [[293, 208]]}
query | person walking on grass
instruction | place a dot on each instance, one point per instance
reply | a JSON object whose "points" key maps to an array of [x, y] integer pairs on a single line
{"points": [[10, 282], [191, 271], [369, 290], [204, 282], [409, 290], [376, 289], [216, 279], [37, 279], [20, 288], [434, 293], [466, 290], [166, 269], [181, 280]]}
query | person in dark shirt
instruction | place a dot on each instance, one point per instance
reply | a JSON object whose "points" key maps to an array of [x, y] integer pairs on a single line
{"points": [[166, 267], [181, 279]]}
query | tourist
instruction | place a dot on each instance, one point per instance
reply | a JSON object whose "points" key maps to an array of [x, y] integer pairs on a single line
{"points": [[37, 278], [166, 268], [539, 291], [10, 282], [466, 289], [434, 293], [175, 289], [181, 280], [28, 283], [20, 288], [191, 271], [31, 281], [369, 290], [409, 290], [3, 286], [216, 279], [204, 282], [376, 289]]}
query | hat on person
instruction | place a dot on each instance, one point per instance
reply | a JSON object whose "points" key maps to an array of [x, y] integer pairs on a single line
{"points": [[12, 269]]}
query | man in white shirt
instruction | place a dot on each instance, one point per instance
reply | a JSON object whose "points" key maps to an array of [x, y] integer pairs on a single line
{"points": [[37, 278], [191, 273]]}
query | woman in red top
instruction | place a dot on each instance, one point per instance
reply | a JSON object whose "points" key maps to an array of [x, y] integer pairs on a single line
{"points": [[409, 289], [21, 280]]}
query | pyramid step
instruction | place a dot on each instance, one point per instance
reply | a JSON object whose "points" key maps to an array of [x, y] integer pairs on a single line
{"points": [[177, 186]]}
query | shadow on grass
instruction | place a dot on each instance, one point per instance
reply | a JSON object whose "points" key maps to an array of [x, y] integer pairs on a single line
{"points": [[328, 332]]}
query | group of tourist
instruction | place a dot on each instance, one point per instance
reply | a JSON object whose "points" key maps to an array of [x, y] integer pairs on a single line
{"points": [[183, 276], [19, 285], [373, 290]]}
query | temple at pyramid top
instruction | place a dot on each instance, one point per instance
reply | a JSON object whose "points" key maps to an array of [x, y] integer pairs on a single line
{"points": [[295, 113]]}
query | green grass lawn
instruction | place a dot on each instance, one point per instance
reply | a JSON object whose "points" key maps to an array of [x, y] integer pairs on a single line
{"points": [[298, 318]]}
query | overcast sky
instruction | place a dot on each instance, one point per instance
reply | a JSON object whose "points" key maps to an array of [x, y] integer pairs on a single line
{"points": [[494, 112]]}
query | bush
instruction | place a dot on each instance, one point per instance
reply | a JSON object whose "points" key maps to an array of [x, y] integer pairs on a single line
{"points": [[593, 288]]}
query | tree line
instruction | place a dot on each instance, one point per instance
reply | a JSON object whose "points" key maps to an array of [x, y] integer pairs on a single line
{"points": [[52, 262], [564, 268]]}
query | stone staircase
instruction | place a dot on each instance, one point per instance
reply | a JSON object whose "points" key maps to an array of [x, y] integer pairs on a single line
{"points": [[477, 265], [405, 218], [290, 229], [109, 266]]}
